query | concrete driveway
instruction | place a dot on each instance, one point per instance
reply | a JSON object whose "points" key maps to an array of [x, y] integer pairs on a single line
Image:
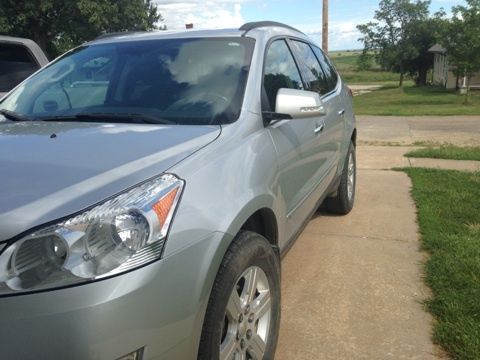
{"points": [[352, 286]]}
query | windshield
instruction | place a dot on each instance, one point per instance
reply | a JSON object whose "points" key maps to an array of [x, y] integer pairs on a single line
{"points": [[182, 81]]}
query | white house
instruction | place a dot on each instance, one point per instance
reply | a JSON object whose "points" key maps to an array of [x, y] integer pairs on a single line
{"points": [[443, 76]]}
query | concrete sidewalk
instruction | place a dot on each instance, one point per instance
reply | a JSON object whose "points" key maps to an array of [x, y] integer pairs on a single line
{"points": [[352, 286], [461, 165], [364, 89], [384, 130], [388, 157]]}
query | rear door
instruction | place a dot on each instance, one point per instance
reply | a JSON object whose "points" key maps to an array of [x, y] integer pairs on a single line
{"points": [[295, 140], [322, 78], [335, 101]]}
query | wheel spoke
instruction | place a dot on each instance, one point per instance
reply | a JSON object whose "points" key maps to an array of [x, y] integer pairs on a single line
{"points": [[227, 349], [350, 176], [262, 304], [242, 355], [234, 306], [250, 286], [256, 347]]}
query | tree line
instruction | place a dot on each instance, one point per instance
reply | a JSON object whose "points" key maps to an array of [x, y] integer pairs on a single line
{"points": [[403, 31], [59, 25]]}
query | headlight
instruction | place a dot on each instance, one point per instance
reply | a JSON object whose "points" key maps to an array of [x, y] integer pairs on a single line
{"points": [[121, 234]]}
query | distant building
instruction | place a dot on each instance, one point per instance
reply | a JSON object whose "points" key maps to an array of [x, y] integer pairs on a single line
{"points": [[444, 76]]}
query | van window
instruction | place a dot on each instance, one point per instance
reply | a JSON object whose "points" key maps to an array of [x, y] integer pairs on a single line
{"points": [[16, 64]]}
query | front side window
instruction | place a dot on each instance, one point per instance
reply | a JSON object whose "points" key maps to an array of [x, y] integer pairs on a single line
{"points": [[280, 72], [179, 81], [314, 76], [16, 64]]}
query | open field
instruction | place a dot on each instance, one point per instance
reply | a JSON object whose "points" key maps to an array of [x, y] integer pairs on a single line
{"points": [[447, 152], [346, 64], [345, 60], [449, 219], [336, 54], [415, 101]]}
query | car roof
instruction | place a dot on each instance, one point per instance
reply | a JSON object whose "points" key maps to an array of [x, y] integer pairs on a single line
{"points": [[36, 51], [166, 34], [253, 29], [16, 40]]}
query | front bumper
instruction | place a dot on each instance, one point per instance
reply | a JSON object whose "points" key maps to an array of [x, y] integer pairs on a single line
{"points": [[159, 307]]}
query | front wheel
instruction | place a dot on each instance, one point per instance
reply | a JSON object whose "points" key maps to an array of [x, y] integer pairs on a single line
{"points": [[243, 315]]}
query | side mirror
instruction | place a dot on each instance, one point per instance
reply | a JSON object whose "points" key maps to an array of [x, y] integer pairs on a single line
{"points": [[299, 103]]}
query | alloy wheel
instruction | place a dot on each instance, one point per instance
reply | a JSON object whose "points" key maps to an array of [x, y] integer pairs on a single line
{"points": [[247, 317], [350, 176]]}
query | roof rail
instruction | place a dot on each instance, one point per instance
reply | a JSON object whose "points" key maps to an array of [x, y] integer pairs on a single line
{"points": [[118, 33], [257, 24]]}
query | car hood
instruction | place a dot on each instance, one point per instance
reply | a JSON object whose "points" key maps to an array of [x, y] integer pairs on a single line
{"points": [[52, 170]]}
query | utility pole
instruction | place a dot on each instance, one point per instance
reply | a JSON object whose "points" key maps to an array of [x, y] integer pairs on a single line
{"points": [[325, 27]]}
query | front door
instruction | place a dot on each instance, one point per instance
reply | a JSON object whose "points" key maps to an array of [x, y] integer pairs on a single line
{"points": [[297, 141]]}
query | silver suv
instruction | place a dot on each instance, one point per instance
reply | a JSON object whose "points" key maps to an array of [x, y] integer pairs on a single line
{"points": [[150, 184]]}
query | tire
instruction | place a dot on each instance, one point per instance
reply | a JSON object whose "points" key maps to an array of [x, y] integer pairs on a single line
{"points": [[342, 202], [234, 324]]}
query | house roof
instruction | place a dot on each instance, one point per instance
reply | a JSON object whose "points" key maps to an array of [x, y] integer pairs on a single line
{"points": [[437, 48]]}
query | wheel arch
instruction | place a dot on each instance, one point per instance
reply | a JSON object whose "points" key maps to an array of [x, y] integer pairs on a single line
{"points": [[263, 222], [259, 216], [353, 138]]}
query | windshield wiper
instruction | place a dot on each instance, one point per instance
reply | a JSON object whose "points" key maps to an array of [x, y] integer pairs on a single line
{"points": [[109, 117], [13, 116]]}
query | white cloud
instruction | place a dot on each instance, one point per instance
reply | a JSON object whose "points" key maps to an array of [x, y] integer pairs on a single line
{"points": [[209, 14], [218, 14], [343, 35]]}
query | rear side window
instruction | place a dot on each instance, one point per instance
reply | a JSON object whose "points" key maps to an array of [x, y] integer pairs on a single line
{"points": [[16, 64], [327, 67], [280, 71], [314, 76]]}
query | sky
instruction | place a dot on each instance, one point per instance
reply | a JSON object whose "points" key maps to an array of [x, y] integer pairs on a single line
{"points": [[306, 15]]}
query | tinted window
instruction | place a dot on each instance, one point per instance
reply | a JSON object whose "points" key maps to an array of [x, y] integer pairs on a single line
{"points": [[327, 67], [313, 74], [185, 81], [16, 65], [280, 71]]}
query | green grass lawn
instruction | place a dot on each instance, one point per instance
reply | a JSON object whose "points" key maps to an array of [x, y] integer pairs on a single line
{"points": [[447, 152], [410, 100], [449, 217]]}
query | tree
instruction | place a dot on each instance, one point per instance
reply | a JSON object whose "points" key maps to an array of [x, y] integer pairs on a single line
{"points": [[365, 61], [422, 35], [401, 46], [462, 41], [58, 25]]}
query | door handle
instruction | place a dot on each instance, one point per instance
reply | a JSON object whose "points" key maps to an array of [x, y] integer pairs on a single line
{"points": [[341, 112], [319, 128]]}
